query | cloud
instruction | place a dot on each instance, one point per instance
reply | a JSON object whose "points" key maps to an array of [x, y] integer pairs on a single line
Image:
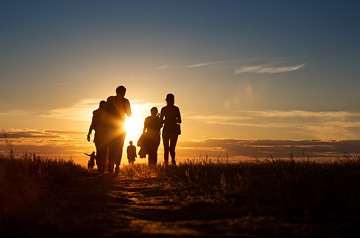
{"points": [[65, 132], [219, 119], [50, 144], [263, 69], [62, 83], [14, 113], [236, 150], [313, 124], [80, 111], [69, 145], [191, 66], [302, 114], [276, 115], [29, 133]]}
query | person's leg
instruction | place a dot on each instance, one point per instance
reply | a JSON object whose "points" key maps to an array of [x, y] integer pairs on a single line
{"points": [[150, 159], [110, 165], [152, 155], [118, 151], [155, 156], [156, 147], [101, 158], [166, 145], [173, 141]]}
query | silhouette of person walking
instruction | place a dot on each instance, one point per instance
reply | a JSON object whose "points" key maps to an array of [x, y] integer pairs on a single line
{"points": [[98, 124], [118, 108], [171, 117], [152, 126], [131, 152]]}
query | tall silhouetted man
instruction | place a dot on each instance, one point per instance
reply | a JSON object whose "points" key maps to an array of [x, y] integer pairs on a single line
{"points": [[118, 108]]}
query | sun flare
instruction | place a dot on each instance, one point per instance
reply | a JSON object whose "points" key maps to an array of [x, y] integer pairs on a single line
{"points": [[134, 125]]}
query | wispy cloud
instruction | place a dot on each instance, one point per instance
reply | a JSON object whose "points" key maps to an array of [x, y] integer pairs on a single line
{"points": [[234, 150], [62, 83], [269, 67], [24, 133], [264, 69], [80, 111], [313, 124], [13, 113], [302, 114], [190, 66]]}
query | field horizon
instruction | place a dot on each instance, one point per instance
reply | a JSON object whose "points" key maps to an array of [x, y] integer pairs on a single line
{"points": [[73, 145]]}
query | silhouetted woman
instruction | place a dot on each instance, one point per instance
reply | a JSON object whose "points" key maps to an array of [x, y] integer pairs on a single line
{"points": [[170, 115], [152, 126]]}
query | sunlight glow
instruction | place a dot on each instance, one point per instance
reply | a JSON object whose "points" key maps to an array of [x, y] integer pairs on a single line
{"points": [[134, 124]]}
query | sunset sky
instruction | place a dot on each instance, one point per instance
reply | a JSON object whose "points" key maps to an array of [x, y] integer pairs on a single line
{"points": [[242, 70]]}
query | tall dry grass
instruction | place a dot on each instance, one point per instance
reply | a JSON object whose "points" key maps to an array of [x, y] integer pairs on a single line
{"points": [[29, 180], [300, 191]]}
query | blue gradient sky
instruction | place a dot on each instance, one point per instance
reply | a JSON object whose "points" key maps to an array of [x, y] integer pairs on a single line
{"points": [[238, 69]]}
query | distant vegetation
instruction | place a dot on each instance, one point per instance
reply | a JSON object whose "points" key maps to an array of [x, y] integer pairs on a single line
{"points": [[302, 192]]}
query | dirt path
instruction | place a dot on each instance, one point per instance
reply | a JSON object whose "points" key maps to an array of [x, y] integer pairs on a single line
{"points": [[113, 205]]}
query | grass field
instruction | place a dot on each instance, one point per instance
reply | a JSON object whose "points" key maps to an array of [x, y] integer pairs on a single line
{"points": [[268, 198]]}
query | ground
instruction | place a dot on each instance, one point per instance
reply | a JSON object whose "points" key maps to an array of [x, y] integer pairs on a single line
{"points": [[110, 205]]}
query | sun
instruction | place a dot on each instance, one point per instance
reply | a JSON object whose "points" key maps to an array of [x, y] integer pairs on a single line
{"points": [[134, 125]]}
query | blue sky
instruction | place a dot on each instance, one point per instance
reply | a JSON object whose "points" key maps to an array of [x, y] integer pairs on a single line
{"points": [[238, 69]]}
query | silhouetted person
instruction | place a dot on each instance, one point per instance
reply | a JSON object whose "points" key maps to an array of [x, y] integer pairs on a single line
{"points": [[118, 107], [98, 124], [91, 162], [170, 115], [142, 143], [152, 126], [131, 152]]}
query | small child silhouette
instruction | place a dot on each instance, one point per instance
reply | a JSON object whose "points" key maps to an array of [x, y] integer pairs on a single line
{"points": [[131, 152], [91, 162]]}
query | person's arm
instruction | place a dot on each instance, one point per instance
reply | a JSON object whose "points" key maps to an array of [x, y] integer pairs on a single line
{"points": [[89, 133], [162, 115], [179, 117], [144, 129], [128, 108], [160, 122], [91, 127]]}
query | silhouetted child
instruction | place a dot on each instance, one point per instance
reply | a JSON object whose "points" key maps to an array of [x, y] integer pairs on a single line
{"points": [[131, 152], [91, 162]]}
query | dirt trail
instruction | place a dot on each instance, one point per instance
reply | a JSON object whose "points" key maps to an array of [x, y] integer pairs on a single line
{"points": [[114, 205]]}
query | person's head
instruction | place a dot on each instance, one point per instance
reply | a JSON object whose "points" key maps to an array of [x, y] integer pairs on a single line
{"points": [[154, 111], [102, 103], [120, 91], [170, 98], [130, 142]]}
